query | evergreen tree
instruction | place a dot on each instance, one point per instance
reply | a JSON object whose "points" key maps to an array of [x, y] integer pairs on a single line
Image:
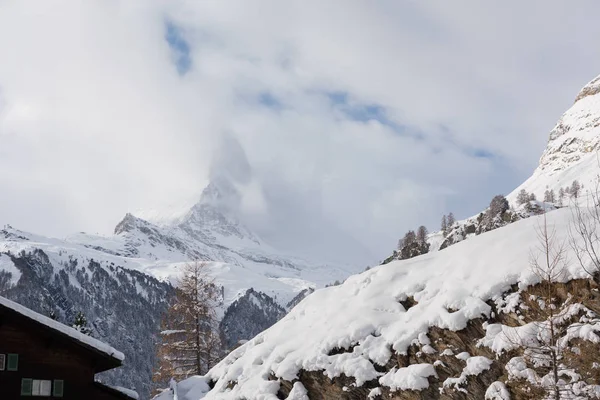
{"points": [[549, 196], [450, 220], [190, 343], [522, 197], [444, 225], [80, 323], [532, 197], [422, 234], [409, 238], [575, 188], [498, 206]]}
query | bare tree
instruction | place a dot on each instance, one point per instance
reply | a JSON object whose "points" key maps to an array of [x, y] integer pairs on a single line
{"points": [[190, 343], [584, 232], [550, 266]]}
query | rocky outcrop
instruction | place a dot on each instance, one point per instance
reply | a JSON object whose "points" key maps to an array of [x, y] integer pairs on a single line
{"points": [[590, 89], [449, 352]]}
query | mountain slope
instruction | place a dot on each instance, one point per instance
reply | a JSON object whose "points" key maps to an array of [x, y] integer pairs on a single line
{"points": [[123, 306], [572, 150], [431, 326], [358, 334], [121, 282]]}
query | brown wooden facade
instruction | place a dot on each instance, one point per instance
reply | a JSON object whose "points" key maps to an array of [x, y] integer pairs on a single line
{"points": [[49, 357]]}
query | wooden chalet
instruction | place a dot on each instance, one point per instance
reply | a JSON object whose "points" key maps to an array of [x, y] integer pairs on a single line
{"points": [[40, 357]]}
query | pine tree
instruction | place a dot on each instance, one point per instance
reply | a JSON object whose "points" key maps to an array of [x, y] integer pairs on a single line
{"points": [[549, 196], [444, 225], [532, 197], [575, 188], [522, 197], [80, 323], [409, 238], [560, 197], [190, 343], [450, 220], [422, 234]]}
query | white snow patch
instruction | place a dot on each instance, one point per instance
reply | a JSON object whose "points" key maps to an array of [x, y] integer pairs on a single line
{"points": [[497, 391], [413, 377], [7, 265]]}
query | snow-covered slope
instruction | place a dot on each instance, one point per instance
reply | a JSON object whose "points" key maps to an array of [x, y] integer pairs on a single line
{"points": [[370, 317], [572, 150]]}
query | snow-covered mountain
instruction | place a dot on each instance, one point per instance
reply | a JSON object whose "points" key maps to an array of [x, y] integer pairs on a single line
{"points": [[435, 326], [103, 275], [572, 150]]}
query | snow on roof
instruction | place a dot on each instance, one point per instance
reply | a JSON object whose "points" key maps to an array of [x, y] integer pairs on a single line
{"points": [[66, 330], [449, 288], [127, 392]]}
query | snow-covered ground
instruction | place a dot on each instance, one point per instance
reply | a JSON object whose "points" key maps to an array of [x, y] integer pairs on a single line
{"points": [[450, 288]]}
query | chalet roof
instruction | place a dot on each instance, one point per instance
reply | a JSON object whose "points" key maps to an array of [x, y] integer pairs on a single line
{"points": [[73, 334]]}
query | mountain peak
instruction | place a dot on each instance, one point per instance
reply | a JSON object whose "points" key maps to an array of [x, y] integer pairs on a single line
{"points": [[571, 152], [592, 88], [129, 223]]}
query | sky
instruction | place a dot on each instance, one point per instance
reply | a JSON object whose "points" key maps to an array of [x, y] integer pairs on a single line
{"points": [[358, 120]]}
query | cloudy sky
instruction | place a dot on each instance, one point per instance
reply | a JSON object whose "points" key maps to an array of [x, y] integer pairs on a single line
{"points": [[359, 119]]}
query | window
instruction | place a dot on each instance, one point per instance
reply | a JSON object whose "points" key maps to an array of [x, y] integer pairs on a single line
{"points": [[26, 385], [13, 362], [36, 387], [41, 388], [58, 388], [2, 362]]}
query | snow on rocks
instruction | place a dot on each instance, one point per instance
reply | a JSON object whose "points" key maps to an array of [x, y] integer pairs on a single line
{"points": [[364, 318], [413, 377], [497, 391], [193, 388], [298, 392], [475, 366]]}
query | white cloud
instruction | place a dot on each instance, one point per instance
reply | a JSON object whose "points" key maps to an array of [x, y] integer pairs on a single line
{"points": [[95, 119]]}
